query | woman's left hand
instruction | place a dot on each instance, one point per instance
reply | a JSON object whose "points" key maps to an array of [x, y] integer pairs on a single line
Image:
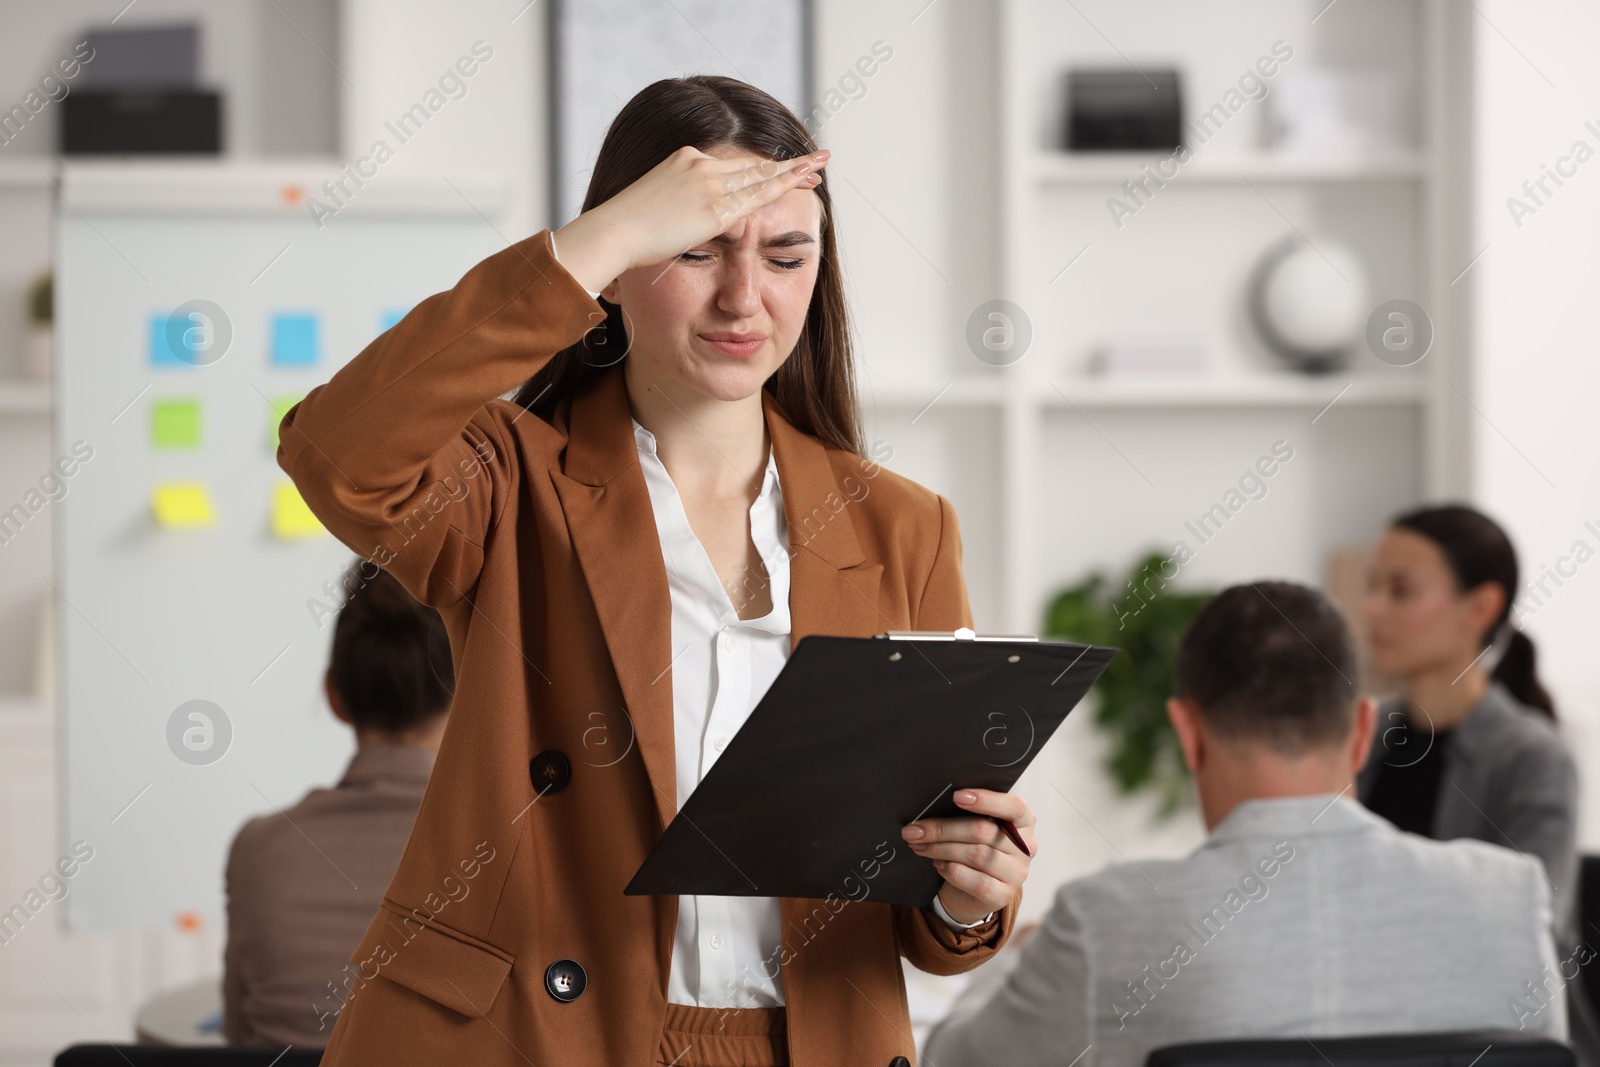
{"points": [[982, 869]]}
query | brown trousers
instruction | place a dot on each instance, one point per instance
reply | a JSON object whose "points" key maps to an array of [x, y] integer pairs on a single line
{"points": [[723, 1037]]}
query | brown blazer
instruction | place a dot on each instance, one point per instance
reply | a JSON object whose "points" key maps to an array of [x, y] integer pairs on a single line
{"points": [[302, 887], [536, 542]]}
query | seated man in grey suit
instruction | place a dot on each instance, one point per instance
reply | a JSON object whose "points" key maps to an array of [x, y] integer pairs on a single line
{"points": [[303, 883], [1302, 915]]}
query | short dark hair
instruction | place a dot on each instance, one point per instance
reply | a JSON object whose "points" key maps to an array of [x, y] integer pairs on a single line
{"points": [[1271, 662], [391, 663]]}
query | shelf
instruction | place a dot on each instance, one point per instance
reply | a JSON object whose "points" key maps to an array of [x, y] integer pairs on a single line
{"points": [[25, 398], [272, 187], [24, 172], [1154, 391], [1230, 391], [968, 390], [1063, 168]]}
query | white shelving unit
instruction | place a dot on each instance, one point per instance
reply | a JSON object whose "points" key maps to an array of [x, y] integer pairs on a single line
{"points": [[1138, 451], [1063, 168]]}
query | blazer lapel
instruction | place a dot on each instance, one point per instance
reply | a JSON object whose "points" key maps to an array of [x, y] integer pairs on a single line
{"points": [[613, 531], [832, 589]]}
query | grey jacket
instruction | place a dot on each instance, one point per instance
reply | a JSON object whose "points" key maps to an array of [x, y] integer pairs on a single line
{"points": [[1299, 916], [1509, 780]]}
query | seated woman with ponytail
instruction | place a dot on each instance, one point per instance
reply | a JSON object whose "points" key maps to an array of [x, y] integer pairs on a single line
{"points": [[1469, 748]]}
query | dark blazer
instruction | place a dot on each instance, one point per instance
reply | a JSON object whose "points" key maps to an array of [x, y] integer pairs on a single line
{"points": [[1509, 780], [536, 543]]}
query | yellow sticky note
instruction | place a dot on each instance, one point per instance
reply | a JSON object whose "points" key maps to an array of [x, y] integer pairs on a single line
{"points": [[182, 505], [280, 406], [291, 517]]}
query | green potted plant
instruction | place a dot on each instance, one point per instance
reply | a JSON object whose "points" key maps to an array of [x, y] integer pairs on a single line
{"points": [[1144, 617], [41, 332]]}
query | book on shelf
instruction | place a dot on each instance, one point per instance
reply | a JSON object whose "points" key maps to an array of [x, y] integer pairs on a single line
{"points": [[1148, 357]]}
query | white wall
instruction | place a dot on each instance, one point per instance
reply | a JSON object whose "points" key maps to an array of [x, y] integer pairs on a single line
{"points": [[1537, 379], [395, 51]]}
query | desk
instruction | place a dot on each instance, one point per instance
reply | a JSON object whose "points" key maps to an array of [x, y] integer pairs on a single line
{"points": [[180, 1015]]}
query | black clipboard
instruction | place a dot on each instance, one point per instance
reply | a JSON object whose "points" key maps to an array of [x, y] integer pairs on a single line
{"points": [[856, 737]]}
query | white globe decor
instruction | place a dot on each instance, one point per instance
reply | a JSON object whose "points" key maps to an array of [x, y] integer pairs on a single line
{"points": [[1309, 300]]}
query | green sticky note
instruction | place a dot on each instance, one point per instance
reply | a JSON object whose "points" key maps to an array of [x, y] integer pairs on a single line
{"points": [[175, 423], [280, 407]]}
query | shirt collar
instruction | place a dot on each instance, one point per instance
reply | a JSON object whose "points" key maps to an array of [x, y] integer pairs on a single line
{"points": [[388, 761], [646, 443], [1300, 816]]}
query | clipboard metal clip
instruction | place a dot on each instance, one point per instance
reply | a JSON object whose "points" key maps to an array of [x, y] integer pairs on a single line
{"points": [[963, 634]]}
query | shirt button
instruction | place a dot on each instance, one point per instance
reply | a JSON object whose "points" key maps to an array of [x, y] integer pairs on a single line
{"points": [[730, 642], [716, 940], [721, 742]]}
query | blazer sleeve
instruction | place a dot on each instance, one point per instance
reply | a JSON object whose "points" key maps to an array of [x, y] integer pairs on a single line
{"points": [[405, 454], [1033, 1007], [927, 941], [1539, 818]]}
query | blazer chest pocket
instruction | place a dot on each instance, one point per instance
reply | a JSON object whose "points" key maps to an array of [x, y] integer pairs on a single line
{"points": [[445, 965]]}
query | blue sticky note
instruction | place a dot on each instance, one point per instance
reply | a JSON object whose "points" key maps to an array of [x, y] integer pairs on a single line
{"points": [[162, 354], [294, 339], [389, 318]]}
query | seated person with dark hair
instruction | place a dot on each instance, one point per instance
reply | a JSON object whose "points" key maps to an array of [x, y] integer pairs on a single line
{"points": [[304, 884], [1302, 915]]}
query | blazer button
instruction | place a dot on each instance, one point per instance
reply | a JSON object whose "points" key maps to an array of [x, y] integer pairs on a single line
{"points": [[899, 1061], [550, 771], [565, 980]]}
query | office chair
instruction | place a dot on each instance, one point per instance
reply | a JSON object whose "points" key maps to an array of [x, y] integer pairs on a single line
{"points": [[184, 1056], [1589, 921], [1481, 1048]]}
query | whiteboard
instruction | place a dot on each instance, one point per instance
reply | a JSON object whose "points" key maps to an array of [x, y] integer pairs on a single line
{"points": [[159, 604]]}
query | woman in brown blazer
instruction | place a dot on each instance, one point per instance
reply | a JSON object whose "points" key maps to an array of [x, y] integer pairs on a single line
{"points": [[708, 388]]}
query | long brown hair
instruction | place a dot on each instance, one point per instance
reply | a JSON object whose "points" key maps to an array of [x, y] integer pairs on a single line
{"points": [[815, 387]]}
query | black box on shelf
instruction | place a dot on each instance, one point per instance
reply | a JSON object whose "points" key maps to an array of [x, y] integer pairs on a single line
{"points": [[141, 121], [1123, 110]]}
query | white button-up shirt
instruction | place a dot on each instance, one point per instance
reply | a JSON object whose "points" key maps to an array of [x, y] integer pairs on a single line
{"points": [[724, 947], [721, 665]]}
